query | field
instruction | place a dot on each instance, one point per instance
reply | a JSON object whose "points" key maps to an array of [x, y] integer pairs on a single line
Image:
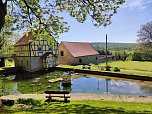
{"points": [[84, 107]]}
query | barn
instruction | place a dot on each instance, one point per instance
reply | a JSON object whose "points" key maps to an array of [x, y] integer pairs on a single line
{"points": [[74, 53]]}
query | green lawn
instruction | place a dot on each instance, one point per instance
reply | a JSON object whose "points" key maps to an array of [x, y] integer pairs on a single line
{"points": [[127, 67], [85, 107], [132, 65]]}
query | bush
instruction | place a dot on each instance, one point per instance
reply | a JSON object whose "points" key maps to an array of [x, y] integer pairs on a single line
{"points": [[107, 68], [129, 58], [115, 69], [28, 101], [7, 102], [101, 68], [136, 56]]}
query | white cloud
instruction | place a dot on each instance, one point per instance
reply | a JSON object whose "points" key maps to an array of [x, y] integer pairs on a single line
{"points": [[137, 4]]}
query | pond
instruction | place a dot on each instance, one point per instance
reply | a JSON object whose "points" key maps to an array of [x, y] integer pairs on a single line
{"points": [[81, 83]]}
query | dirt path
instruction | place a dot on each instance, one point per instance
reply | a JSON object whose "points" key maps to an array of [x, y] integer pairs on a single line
{"points": [[88, 97]]}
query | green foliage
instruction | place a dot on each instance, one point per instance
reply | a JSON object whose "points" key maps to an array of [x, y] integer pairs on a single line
{"points": [[129, 58], [115, 69], [145, 41], [136, 56], [114, 46], [28, 101], [45, 14], [107, 68], [147, 55], [101, 68], [8, 37]]}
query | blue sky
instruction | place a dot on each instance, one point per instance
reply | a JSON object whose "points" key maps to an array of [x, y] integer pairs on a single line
{"points": [[124, 27]]}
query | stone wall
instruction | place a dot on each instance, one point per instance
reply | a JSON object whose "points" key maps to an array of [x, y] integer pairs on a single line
{"points": [[36, 64], [67, 58], [102, 58], [29, 64], [85, 60]]}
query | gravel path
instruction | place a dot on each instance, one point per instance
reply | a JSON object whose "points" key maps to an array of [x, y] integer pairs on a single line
{"points": [[88, 97]]}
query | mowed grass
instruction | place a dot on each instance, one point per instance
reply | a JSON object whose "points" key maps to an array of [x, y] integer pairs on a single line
{"points": [[70, 66], [127, 67], [132, 65], [85, 107]]}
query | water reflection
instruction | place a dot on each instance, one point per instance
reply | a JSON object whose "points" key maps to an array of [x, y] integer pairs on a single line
{"points": [[38, 83]]}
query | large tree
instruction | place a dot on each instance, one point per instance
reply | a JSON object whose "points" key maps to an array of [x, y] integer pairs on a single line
{"points": [[44, 14], [145, 40]]}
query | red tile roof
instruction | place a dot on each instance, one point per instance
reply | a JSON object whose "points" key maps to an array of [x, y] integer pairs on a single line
{"points": [[78, 49], [25, 39]]}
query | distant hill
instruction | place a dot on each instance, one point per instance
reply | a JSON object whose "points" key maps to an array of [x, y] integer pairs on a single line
{"points": [[114, 46]]}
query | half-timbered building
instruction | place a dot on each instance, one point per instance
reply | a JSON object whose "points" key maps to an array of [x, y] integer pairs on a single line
{"points": [[34, 54]]}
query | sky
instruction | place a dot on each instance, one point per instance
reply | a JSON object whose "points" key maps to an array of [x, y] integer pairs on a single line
{"points": [[125, 24]]}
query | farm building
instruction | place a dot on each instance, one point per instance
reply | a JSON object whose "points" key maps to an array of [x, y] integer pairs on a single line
{"points": [[73, 53], [34, 54]]}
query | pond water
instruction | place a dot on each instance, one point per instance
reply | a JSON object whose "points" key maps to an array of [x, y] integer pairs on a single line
{"points": [[80, 84]]}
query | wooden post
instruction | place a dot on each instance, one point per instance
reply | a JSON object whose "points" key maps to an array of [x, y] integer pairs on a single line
{"points": [[106, 51]]}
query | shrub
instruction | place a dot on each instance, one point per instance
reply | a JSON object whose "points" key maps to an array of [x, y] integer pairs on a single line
{"points": [[7, 102], [28, 101], [107, 68], [115, 69], [129, 58], [101, 68], [136, 56]]}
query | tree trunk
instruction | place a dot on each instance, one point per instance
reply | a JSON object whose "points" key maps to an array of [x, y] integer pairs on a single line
{"points": [[3, 12]]}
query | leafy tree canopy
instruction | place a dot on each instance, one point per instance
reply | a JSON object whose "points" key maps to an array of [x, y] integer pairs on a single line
{"points": [[44, 14], [145, 35], [145, 41]]}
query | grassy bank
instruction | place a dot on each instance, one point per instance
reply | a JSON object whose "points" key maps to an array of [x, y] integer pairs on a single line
{"points": [[84, 107], [127, 67]]}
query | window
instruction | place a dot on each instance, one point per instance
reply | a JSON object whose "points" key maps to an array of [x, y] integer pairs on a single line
{"points": [[80, 60], [39, 48], [21, 48], [50, 48], [96, 58], [61, 53], [27, 63]]}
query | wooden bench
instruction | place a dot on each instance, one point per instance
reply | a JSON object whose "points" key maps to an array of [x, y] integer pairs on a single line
{"points": [[60, 94]]}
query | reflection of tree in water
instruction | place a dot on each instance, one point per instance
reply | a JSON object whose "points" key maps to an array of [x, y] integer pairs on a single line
{"points": [[8, 88], [146, 89], [69, 89], [55, 86]]}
